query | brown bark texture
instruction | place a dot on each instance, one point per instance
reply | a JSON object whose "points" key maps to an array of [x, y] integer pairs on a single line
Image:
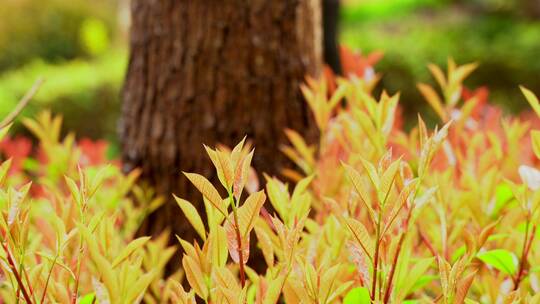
{"points": [[205, 71]]}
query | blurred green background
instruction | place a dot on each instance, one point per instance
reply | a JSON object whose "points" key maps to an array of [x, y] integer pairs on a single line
{"points": [[502, 35], [80, 48]]}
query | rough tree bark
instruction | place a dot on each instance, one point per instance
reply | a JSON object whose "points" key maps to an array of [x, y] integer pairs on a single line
{"points": [[212, 71]]}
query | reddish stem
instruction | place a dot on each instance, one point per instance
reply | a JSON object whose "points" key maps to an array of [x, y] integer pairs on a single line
{"points": [[240, 251], [393, 270], [11, 262], [396, 258], [526, 247], [241, 258], [376, 262], [426, 241]]}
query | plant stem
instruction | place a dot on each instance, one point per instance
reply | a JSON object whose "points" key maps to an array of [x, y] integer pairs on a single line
{"points": [[525, 252], [75, 294], [393, 269], [426, 241], [376, 257], [11, 262], [48, 278], [239, 241], [22, 103], [398, 251], [25, 274]]}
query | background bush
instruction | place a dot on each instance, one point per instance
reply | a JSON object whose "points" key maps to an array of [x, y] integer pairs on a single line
{"points": [[411, 33]]}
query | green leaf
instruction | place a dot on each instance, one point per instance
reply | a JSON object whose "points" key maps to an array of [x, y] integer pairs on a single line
{"points": [[500, 259], [358, 295], [87, 299], [415, 278], [423, 281], [503, 195], [459, 253]]}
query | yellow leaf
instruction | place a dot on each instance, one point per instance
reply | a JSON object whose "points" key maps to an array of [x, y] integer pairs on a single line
{"points": [[444, 273], [241, 174], [195, 276], [236, 153], [535, 142], [361, 235], [462, 72], [367, 126], [192, 216], [422, 131], [214, 158], [226, 166], [103, 266], [249, 212], [438, 74], [188, 248], [133, 246], [300, 145], [74, 190], [388, 179], [208, 191], [4, 168], [338, 95], [278, 195], [265, 243], [358, 184], [218, 243], [532, 99], [371, 172], [136, 291], [224, 278], [433, 99], [311, 278], [179, 295], [328, 282]]}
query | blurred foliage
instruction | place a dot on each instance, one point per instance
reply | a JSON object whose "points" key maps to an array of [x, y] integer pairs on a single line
{"points": [[93, 36], [505, 44], [85, 91], [76, 47], [79, 48], [375, 9], [48, 29]]}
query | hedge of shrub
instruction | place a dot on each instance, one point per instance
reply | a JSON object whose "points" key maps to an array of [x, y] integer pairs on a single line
{"points": [[370, 214]]}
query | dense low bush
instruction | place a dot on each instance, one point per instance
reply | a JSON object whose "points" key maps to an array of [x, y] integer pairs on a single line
{"points": [[506, 44], [53, 30], [84, 91], [375, 214]]}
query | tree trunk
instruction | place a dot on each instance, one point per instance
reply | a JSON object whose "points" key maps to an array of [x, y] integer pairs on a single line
{"points": [[330, 20], [212, 71], [532, 7]]}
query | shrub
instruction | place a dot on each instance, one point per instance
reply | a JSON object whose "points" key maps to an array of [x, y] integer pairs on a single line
{"points": [[376, 214], [53, 30]]}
